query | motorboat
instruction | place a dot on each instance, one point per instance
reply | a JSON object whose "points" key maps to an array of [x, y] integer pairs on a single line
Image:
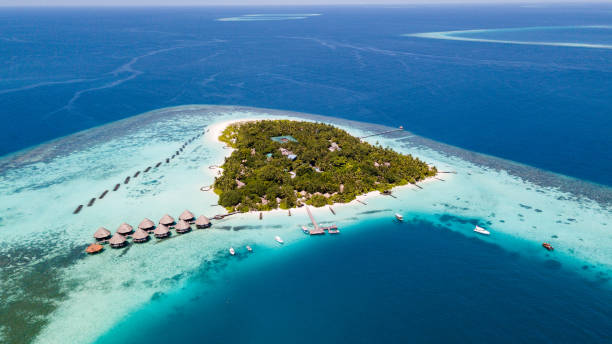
{"points": [[305, 229], [400, 217], [232, 251], [279, 240], [548, 246], [249, 248], [481, 230]]}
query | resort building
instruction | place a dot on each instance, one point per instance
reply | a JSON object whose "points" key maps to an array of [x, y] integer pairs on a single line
{"points": [[125, 229], [334, 147], [182, 227], [94, 248], [140, 236], [146, 224], [117, 241], [187, 216], [166, 220], [161, 231], [102, 234], [202, 222]]}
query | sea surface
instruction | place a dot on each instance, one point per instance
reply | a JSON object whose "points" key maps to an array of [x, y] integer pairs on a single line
{"points": [[515, 100], [65, 70]]}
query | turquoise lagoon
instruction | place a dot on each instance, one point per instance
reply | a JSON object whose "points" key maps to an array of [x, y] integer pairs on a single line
{"points": [[71, 297]]}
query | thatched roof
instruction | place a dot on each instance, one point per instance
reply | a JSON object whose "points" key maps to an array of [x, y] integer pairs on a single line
{"points": [[125, 229], [140, 234], [117, 239], [161, 230], [102, 233], [146, 224], [182, 224], [202, 221], [94, 248], [186, 215], [166, 220]]}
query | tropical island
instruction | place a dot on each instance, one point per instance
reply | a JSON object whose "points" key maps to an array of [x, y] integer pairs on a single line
{"points": [[283, 163]]}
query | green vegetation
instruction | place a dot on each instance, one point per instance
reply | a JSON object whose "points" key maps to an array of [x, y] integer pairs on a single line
{"points": [[331, 166]]}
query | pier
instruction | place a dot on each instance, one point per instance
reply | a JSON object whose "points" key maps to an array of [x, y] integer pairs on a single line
{"points": [[316, 230]]}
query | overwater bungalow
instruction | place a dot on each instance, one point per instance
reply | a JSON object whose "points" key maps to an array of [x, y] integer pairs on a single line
{"points": [[117, 241], [203, 222], [187, 216], [166, 220], [182, 227], [161, 232], [125, 229], [146, 224], [102, 234], [94, 248], [140, 236]]}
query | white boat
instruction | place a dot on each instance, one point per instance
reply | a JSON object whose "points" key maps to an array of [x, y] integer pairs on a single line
{"points": [[481, 230], [232, 251], [399, 217], [279, 240], [249, 248], [305, 229]]}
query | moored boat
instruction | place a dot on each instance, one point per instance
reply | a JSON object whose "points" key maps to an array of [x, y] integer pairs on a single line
{"points": [[232, 251], [548, 246], [400, 217], [249, 248], [279, 240], [305, 229], [481, 230]]}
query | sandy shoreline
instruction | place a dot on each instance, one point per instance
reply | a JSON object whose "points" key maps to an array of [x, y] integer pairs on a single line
{"points": [[215, 130]]}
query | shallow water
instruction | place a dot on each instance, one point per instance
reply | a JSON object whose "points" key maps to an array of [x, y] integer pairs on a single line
{"points": [[43, 186]]}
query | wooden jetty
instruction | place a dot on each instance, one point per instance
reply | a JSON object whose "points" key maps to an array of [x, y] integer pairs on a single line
{"points": [[316, 230], [136, 174], [127, 180], [147, 169], [159, 163], [91, 202], [116, 187], [103, 194], [362, 202], [76, 211]]}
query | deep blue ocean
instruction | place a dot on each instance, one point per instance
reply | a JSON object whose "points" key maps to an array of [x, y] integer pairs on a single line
{"points": [[65, 70], [378, 282]]}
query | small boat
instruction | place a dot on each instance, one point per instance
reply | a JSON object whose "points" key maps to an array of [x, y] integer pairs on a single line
{"points": [[279, 240], [249, 248], [400, 217], [548, 246], [305, 229], [232, 251], [481, 230], [333, 231]]}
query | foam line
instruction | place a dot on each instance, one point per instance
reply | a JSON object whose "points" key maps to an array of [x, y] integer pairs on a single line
{"points": [[456, 36]]}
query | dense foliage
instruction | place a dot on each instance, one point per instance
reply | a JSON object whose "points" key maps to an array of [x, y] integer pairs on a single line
{"points": [[331, 166]]}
